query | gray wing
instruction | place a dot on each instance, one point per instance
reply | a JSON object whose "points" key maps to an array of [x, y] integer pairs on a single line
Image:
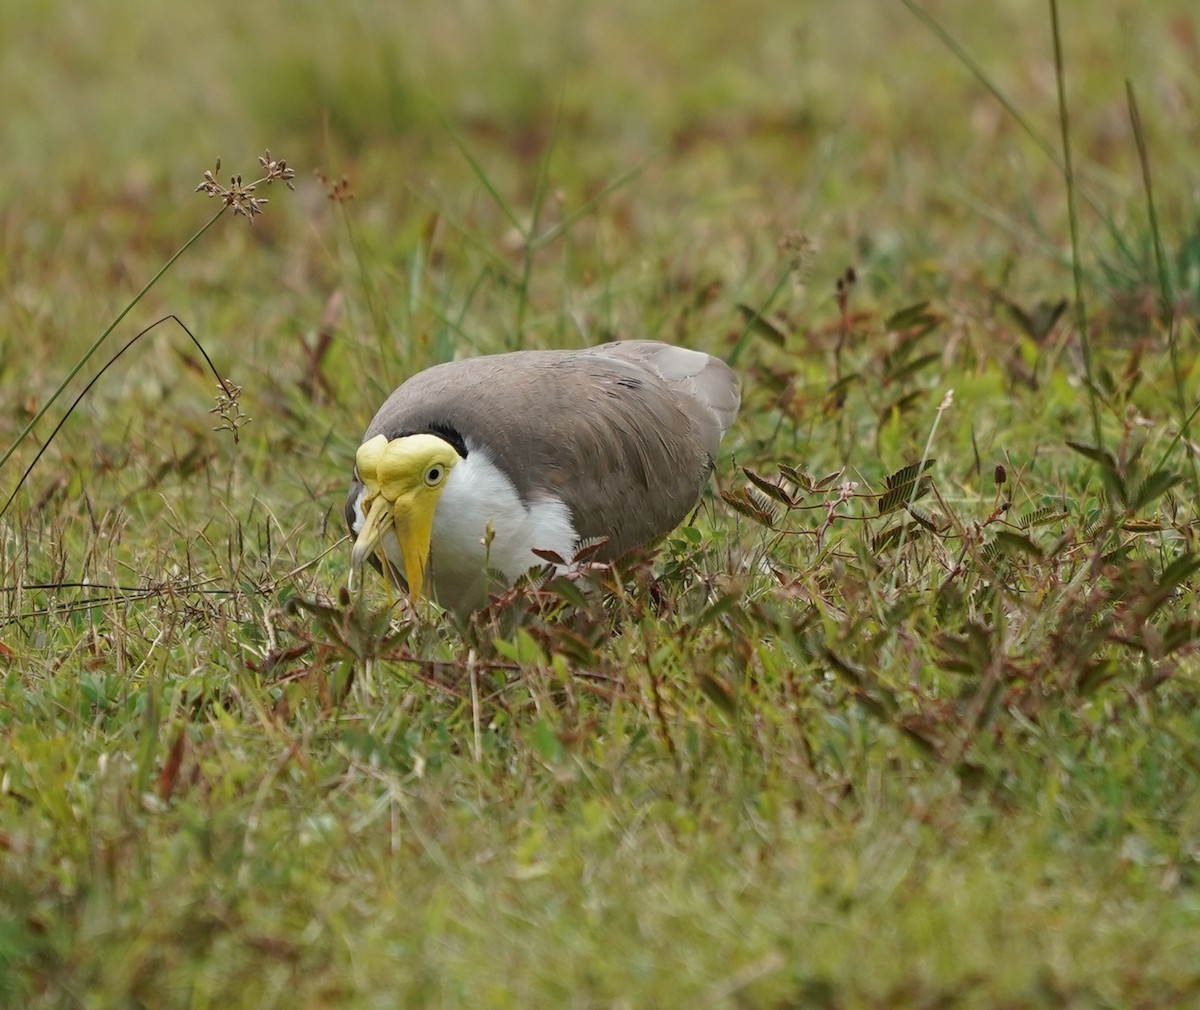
{"points": [[624, 433]]}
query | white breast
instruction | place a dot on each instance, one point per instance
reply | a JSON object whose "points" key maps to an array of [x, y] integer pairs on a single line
{"points": [[478, 495]]}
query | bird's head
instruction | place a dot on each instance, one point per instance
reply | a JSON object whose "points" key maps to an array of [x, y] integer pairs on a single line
{"points": [[402, 480]]}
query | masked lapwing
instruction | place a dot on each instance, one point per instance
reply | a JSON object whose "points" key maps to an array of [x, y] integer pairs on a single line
{"points": [[470, 466]]}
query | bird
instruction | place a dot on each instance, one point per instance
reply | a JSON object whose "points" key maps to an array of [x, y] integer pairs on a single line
{"points": [[472, 465]]}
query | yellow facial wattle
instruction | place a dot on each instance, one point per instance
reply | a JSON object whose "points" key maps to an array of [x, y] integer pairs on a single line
{"points": [[404, 479]]}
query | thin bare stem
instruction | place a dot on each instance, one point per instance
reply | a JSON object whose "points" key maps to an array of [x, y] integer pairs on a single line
{"points": [[104, 336], [1164, 279], [238, 195], [230, 394], [1081, 319], [743, 339], [947, 402]]}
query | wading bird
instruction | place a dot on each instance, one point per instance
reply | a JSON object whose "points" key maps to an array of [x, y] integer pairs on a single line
{"points": [[471, 465]]}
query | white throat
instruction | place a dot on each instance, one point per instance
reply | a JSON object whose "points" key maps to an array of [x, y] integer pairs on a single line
{"points": [[478, 496]]}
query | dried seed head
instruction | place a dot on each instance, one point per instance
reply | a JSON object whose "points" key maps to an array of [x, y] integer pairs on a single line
{"points": [[276, 170], [799, 249], [240, 195], [228, 409], [339, 190], [1000, 476]]}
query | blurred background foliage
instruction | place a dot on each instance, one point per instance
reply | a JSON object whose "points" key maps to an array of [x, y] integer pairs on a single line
{"points": [[543, 174]]}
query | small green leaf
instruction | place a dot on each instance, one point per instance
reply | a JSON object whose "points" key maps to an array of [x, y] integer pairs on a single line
{"points": [[719, 693], [828, 479], [905, 486], [1177, 634], [886, 540], [901, 405], [1101, 456], [722, 605], [904, 371], [770, 489], [759, 324], [1039, 320], [844, 383], [1017, 543], [1041, 516], [911, 316], [752, 505], [568, 591], [798, 477], [1181, 568], [1109, 469], [546, 743], [1154, 486]]}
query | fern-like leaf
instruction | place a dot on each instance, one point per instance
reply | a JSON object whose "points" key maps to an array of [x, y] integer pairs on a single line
{"points": [[759, 324], [828, 479], [1017, 543], [800, 478], [886, 540], [923, 520], [913, 317], [1041, 516], [1154, 486], [742, 502], [769, 488], [905, 486]]}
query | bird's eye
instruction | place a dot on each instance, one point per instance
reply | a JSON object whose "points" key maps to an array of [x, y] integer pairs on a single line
{"points": [[433, 476]]}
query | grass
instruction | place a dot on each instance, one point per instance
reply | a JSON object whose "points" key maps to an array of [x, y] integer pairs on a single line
{"points": [[905, 718]]}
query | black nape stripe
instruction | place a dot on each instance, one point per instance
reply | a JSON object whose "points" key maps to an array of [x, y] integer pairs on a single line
{"points": [[443, 431]]}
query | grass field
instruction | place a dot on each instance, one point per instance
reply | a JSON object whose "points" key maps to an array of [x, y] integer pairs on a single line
{"points": [[907, 716]]}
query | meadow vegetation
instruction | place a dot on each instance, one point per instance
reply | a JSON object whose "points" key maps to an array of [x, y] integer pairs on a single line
{"points": [[904, 717]]}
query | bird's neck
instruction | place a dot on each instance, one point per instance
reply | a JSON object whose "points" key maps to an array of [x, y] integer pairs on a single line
{"points": [[482, 523]]}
